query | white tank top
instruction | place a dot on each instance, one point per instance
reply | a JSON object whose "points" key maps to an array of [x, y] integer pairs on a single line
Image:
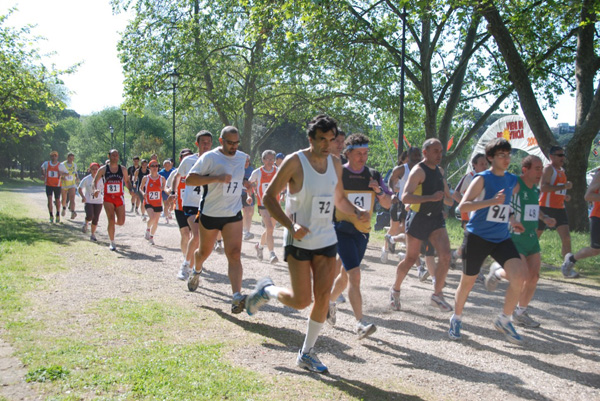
{"points": [[313, 206], [402, 181]]}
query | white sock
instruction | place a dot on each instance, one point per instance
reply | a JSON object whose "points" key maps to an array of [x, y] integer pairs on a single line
{"points": [[519, 310], [273, 291], [392, 240], [312, 333], [497, 274], [503, 318], [456, 317]]}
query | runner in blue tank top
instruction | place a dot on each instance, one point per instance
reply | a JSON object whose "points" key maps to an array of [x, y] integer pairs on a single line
{"points": [[488, 201]]}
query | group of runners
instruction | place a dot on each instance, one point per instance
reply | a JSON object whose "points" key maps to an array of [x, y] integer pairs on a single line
{"points": [[330, 194]]}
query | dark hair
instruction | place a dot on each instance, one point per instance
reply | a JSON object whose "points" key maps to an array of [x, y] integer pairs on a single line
{"points": [[528, 161], [322, 123], [112, 150], [136, 158], [201, 134], [496, 145], [144, 161], [555, 148], [403, 156], [476, 158], [355, 139], [340, 132], [230, 129]]}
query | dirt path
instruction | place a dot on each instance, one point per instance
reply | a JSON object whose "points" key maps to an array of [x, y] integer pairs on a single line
{"points": [[410, 350]]}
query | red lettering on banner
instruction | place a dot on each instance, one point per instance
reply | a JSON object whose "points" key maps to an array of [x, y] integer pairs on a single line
{"points": [[513, 130]]}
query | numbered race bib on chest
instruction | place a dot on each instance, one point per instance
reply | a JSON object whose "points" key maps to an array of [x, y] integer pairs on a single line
{"points": [[52, 174], [234, 188], [498, 213], [113, 188], [69, 177], [322, 207], [265, 185], [154, 195], [361, 199], [562, 192], [532, 213]]}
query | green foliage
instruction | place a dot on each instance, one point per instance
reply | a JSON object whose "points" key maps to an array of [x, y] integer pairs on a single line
{"points": [[44, 374]]}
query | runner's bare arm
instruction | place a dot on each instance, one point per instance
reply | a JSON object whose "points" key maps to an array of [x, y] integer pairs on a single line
{"points": [[545, 181], [143, 185], [126, 179], [469, 204], [592, 195], [279, 182], [198, 180], [416, 177]]}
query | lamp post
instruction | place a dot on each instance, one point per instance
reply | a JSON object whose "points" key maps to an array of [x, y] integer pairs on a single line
{"points": [[124, 131], [174, 75], [112, 137], [402, 67]]}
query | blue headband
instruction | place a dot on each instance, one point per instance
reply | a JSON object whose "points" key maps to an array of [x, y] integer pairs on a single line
{"points": [[364, 145]]}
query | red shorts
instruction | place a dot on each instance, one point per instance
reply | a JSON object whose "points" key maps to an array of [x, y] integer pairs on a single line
{"points": [[116, 200]]}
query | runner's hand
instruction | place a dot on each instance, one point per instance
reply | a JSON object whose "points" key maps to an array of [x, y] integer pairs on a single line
{"points": [[549, 221], [437, 196], [568, 185], [518, 227], [249, 200], [499, 198], [300, 231], [225, 178]]}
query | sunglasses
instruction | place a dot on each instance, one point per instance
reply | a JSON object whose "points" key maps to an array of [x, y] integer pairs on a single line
{"points": [[559, 154], [154, 165]]}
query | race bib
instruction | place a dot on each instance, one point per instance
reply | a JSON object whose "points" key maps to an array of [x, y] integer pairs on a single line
{"points": [[498, 214], [181, 193], [154, 195], [562, 192], [532, 213], [322, 207], [52, 174], [113, 188], [69, 177], [264, 187], [234, 188], [360, 199]]}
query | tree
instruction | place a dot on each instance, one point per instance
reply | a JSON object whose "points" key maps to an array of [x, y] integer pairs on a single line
{"points": [[586, 62], [230, 57]]}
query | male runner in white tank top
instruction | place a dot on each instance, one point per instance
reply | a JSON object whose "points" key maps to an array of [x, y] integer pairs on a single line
{"points": [[313, 180]]}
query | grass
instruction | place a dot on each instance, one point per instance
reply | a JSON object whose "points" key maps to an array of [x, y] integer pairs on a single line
{"points": [[125, 348]]}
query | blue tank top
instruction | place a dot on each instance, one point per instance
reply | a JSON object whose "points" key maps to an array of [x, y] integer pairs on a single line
{"points": [[491, 223]]}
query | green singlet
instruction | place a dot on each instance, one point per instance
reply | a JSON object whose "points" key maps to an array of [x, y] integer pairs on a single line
{"points": [[527, 211]]}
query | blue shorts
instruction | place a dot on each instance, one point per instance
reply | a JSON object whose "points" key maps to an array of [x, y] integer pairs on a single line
{"points": [[352, 244]]}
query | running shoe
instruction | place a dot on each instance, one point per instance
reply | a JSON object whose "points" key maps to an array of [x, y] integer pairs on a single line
{"points": [[480, 278], [259, 251], [93, 238], [51, 219], [491, 280], [394, 299], [137, 211], [64, 211], [364, 330], [440, 302], [331, 313], [112, 246], [423, 273], [273, 258], [219, 247], [184, 271], [73, 215], [132, 208], [258, 297], [453, 259], [525, 320], [144, 218], [151, 240], [84, 228], [238, 303], [455, 326], [341, 299], [248, 236], [508, 330], [384, 256], [167, 219], [147, 235], [57, 218], [310, 361], [567, 267], [391, 245], [194, 280]]}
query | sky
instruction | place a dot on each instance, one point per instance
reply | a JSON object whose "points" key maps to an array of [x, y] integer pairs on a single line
{"points": [[86, 31]]}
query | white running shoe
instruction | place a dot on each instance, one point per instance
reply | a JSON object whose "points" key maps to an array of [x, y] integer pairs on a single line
{"points": [[567, 267], [331, 313], [144, 218], [273, 258], [524, 320], [258, 297], [151, 240], [394, 299], [73, 215], [219, 247], [364, 330], [93, 238], [310, 361], [84, 228], [491, 281], [64, 211], [423, 273], [184, 271], [112, 246], [440, 302], [384, 255], [259, 251], [248, 236], [147, 235]]}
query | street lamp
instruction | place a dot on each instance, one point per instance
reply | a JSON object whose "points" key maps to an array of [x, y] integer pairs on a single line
{"points": [[124, 131], [112, 137], [174, 75]]}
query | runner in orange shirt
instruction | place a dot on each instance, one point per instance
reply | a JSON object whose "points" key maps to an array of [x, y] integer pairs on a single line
{"points": [[152, 187], [52, 172], [553, 188]]}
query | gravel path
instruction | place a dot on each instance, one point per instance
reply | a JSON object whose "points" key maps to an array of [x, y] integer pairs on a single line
{"points": [[410, 352]]}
